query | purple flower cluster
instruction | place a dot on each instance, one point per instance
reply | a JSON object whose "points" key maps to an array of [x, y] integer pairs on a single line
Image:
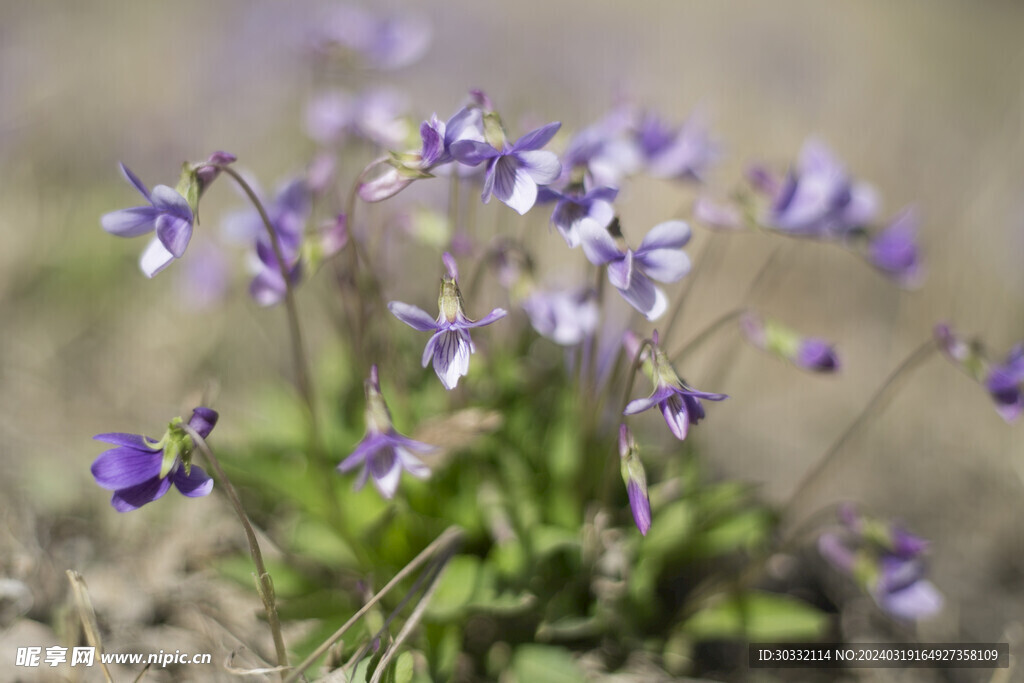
{"points": [[886, 561]]}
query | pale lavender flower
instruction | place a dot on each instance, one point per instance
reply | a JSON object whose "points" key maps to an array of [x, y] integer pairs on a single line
{"points": [[886, 561], [141, 470], [168, 213], [635, 478], [717, 215], [514, 171], [379, 42], [384, 453], [607, 150], [683, 152], [679, 403], [375, 115], [566, 317], [818, 198], [450, 346], [894, 250], [575, 203], [659, 257], [808, 353]]}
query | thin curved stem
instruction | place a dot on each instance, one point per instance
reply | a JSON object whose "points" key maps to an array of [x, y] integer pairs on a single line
{"points": [[691, 283], [448, 537], [264, 583], [609, 471], [294, 328], [708, 332], [875, 405]]}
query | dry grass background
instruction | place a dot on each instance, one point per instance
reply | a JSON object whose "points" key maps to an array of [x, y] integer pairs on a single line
{"points": [[924, 99]]}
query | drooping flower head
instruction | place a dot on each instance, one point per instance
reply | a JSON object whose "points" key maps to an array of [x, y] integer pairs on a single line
{"points": [[384, 453], [576, 202], [808, 353], [450, 346], [1004, 381], [886, 562], [679, 403], [659, 257], [894, 250], [141, 470], [170, 213], [635, 478], [514, 170]]}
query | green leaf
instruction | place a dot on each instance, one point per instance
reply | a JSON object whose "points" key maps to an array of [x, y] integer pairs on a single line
{"points": [[545, 664], [757, 616], [742, 530], [671, 528], [457, 587]]}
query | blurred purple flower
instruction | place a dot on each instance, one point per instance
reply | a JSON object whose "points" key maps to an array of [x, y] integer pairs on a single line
{"points": [[576, 203], [717, 215], [607, 150], [384, 453], [894, 250], [818, 198], [886, 561], [1005, 383], [635, 478], [678, 402], [380, 42], [808, 353], [141, 470], [515, 171], [684, 152], [288, 213], [450, 346], [168, 213], [204, 277], [659, 257], [375, 115], [566, 317]]}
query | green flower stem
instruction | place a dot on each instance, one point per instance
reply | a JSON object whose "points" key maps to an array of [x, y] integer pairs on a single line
{"points": [[875, 405], [708, 332], [294, 328], [612, 466], [264, 583], [448, 538]]}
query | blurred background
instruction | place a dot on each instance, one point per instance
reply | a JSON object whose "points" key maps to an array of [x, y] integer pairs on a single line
{"points": [[925, 100]]}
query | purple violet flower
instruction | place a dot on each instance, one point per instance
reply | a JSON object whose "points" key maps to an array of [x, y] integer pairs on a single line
{"points": [[607, 150], [576, 203], [384, 453], [678, 402], [808, 353], [886, 561], [894, 250], [659, 257], [380, 42], [685, 152], [1003, 381], [450, 346], [168, 213], [818, 198], [141, 470], [514, 171], [635, 478], [375, 115], [566, 317]]}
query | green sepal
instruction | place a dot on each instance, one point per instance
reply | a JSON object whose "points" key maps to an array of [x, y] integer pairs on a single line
{"points": [[494, 132], [781, 340], [188, 187]]}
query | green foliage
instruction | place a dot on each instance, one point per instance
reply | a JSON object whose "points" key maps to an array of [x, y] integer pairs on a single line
{"points": [[757, 616]]}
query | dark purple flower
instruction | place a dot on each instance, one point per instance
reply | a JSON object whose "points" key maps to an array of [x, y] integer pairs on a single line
{"points": [[894, 250], [886, 561], [450, 346], [659, 257], [168, 213], [1005, 383], [576, 203], [566, 317], [635, 478], [515, 171], [684, 152], [141, 470], [384, 453], [819, 199], [678, 402], [809, 353]]}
